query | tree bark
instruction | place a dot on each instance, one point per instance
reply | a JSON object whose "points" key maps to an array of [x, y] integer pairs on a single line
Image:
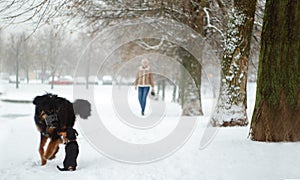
{"points": [[191, 103], [191, 90], [232, 101], [276, 115]]}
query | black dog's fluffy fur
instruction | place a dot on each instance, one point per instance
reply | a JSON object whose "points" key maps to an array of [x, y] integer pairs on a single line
{"points": [[72, 150], [64, 113]]}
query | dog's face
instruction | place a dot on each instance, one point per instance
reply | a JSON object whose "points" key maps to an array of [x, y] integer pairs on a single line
{"points": [[47, 109], [71, 134], [68, 134]]}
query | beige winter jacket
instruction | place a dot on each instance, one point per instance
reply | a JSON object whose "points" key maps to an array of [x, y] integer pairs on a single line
{"points": [[144, 77]]}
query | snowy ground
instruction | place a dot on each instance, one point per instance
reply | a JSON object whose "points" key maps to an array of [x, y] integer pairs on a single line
{"points": [[231, 155]]}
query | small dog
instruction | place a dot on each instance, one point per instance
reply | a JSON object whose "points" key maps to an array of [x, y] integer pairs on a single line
{"points": [[72, 150]]}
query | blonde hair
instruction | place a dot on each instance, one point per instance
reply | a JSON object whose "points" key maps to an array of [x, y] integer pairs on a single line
{"points": [[145, 61]]}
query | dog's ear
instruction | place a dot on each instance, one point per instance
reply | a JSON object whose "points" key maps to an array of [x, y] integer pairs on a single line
{"points": [[37, 100], [76, 133], [63, 133]]}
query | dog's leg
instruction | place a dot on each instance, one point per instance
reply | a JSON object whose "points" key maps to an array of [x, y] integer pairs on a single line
{"points": [[52, 148], [55, 150], [41, 149]]}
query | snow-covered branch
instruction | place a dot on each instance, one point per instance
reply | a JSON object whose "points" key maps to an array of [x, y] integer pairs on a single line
{"points": [[209, 25], [258, 23], [146, 46]]}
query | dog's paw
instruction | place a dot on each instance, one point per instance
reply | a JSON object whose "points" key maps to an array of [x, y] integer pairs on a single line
{"points": [[43, 162], [47, 157], [52, 157]]}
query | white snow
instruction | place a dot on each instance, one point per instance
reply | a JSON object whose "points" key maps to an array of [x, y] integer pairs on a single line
{"points": [[231, 155], [236, 19]]}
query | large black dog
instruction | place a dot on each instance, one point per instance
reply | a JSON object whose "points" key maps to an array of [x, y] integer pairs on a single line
{"points": [[54, 114], [72, 150]]}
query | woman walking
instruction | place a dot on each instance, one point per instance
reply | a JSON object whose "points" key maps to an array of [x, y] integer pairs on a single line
{"points": [[144, 80]]}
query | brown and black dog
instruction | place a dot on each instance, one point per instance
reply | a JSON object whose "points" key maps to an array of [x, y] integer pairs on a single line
{"points": [[54, 114], [71, 149]]}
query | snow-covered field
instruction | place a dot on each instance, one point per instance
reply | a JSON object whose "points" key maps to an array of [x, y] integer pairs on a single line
{"points": [[231, 155]]}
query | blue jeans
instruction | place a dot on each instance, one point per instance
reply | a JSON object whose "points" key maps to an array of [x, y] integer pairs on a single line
{"points": [[143, 93]]}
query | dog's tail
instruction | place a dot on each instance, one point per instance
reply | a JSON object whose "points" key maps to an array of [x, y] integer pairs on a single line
{"points": [[61, 169], [82, 108], [65, 169]]}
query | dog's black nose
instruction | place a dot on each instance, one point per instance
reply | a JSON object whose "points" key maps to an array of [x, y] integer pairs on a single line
{"points": [[52, 120]]}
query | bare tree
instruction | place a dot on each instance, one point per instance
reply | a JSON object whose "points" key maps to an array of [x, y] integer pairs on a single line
{"points": [[40, 51], [26, 63], [52, 49], [17, 47]]}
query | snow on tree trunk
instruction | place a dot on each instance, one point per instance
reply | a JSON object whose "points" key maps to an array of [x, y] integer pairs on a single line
{"points": [[232, 102], [276, 114]]}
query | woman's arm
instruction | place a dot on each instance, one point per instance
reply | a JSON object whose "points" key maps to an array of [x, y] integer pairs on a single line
{"points": [[151, 80], [136, 79]]}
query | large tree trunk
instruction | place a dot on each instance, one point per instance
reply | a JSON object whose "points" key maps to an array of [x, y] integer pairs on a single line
{"points": [[191, 90], [191, 96], [232, 101], [277, 110]]}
